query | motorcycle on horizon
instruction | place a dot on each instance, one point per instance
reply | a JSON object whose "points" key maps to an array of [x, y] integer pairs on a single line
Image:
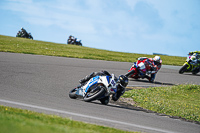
{"points": [[23, 33]]}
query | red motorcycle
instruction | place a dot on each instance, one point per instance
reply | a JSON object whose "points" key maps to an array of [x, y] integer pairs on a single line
{"points": [[141, 69]]}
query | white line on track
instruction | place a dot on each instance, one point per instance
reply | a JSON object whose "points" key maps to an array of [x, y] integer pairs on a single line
{"points": [[85, 116]]}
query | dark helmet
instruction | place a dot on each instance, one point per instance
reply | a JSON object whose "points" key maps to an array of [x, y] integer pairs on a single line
{"points": [[123, 80]]}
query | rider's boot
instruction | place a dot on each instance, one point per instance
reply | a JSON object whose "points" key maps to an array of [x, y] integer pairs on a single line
{"points": [[151, 79]]}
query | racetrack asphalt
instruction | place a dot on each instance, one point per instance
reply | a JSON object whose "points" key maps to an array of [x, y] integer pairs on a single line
{"points": [[42, 83]]}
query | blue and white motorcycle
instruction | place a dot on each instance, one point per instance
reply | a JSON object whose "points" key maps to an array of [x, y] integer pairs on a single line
{"points": [[100, 88]]}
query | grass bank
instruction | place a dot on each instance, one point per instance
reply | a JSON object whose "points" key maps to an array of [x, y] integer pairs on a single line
{"points": [[27, 46], [181, 101], [14, 120]]}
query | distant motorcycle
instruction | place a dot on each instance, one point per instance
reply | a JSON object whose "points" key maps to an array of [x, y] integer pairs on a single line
{"points": [[100, 88], [74, 41], [190, 65], [139, 70], [24, 35]]}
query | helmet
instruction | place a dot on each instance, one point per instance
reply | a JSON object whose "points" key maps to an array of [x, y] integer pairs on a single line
{"points": [[157, 60], [193, 57], [123, 80]]}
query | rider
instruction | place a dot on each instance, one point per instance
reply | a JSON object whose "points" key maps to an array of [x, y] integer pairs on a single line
{"points": [[196, 55], [23, 30], [153, 65], [197, 52], [24, 33], [123, 82]]}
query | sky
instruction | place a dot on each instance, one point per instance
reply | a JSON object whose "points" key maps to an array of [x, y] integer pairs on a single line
{"points": [[170, 27]]}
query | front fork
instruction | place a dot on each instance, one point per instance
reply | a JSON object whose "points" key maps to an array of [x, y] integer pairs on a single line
{"points": [[190, 67]]}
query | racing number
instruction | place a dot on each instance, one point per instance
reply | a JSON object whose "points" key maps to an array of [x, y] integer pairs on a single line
{"points": [[113, 83]]}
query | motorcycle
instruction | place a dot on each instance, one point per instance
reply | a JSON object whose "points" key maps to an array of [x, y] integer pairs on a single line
{"points": [[24, 35], [100, 88], [74, 41], [190, 65], [140, 70]]}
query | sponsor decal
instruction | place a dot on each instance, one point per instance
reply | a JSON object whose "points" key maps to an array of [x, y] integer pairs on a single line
{"points": [[92, 82]]}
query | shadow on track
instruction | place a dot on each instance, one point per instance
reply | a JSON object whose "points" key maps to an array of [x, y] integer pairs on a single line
{"points": [[146, 81], [190, 74]]}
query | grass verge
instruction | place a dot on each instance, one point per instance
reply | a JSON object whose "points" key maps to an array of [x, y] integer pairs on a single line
{"points": [[27, 46], [181, 101], [14, 120]]}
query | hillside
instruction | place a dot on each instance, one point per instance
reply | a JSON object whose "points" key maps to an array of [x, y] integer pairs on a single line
{"points": [[27, 46]]}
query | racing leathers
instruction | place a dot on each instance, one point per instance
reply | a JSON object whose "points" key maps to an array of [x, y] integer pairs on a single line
{"points": [[120, 88], [151, 67], [196, 55]]}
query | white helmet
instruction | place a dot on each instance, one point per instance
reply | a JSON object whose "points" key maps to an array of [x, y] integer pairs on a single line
{"points": [[157, 60], [193, 57]]}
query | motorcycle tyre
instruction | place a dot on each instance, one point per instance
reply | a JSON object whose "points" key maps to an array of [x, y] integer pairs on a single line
{"points": [[183, 69], [95, 96], [105, 100], [195, 71], [72, 94]]}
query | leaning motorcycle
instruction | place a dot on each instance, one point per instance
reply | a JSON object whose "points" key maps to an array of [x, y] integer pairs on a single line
{"points": [[100, 88], [140, 70], [190, 65]]}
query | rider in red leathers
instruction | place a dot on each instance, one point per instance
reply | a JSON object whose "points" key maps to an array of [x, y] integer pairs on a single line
{"points": [[153, 65], [148, 66]]}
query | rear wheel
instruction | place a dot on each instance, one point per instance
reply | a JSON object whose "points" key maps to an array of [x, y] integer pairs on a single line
{"points": [[72, 93], [195, 71], [183, 69], [94, 94]]}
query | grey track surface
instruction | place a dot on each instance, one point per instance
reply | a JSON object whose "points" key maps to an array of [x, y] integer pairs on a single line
{"points": [[41, 83]]}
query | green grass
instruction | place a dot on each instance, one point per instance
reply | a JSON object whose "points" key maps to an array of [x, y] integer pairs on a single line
{"points": [[27, 46], [14, 120], [182, 100]]}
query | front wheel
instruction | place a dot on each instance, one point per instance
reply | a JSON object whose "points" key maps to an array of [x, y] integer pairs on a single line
{"points": [[94, 94], [72, 93], [183, 69]]}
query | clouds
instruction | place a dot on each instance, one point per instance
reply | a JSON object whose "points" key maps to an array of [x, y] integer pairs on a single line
{"points": [[147, 14], [99, 16], [109, 24]]}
